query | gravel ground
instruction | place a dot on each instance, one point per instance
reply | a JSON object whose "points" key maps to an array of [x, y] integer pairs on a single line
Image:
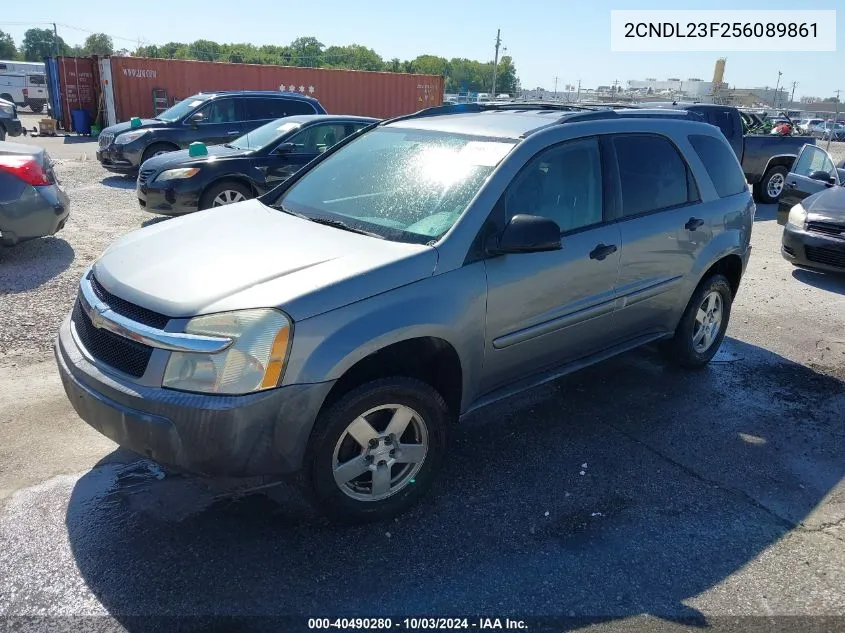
{"points": [[38, 279]]}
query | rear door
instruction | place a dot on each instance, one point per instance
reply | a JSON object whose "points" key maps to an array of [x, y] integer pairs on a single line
{"points": [[222, 121], [812, 171], [261, 110], [663, 227]]}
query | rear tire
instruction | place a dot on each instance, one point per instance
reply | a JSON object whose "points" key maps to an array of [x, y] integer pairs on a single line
{"points": [[223, 193], [698, 335], [396, 469], [770, 188], [36, 106]]}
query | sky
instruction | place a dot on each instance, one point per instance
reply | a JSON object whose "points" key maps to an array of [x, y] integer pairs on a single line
{"points": [[568, 39]]}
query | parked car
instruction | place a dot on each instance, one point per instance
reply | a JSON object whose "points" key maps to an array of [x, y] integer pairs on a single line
{"points": [[833, 132], [24, 89], [805, 126], [10, 124], [813, 207], [765, 158], [178, 183], [412, 274], [32, 202], [212, 118]]}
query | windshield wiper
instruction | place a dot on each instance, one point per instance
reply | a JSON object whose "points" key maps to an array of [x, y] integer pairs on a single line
{"points": [[338, 224]]}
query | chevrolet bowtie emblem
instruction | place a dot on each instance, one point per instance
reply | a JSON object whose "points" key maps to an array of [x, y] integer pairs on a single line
{"points": [[96, 315]]}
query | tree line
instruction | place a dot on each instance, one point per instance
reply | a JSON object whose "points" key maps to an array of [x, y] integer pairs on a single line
{"points": [[462, 75]]}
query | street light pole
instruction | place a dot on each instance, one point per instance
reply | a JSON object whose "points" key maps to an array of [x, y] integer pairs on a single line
{"points": [[777, 85], [496, 60], [835, 116]]}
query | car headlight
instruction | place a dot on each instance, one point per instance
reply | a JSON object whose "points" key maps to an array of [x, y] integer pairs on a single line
{"points": [[7, 109], [128, 137], [797, 216], [175, 174], [253, 362]]}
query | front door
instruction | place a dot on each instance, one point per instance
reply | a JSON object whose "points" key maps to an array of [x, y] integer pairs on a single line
{"points": [[546, 309], [221, 122], [812, 171], [300, 149]]}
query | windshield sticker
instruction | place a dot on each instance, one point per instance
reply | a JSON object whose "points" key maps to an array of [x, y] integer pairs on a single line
{"points": [[194, 104], [285, 127], [484, 153]]}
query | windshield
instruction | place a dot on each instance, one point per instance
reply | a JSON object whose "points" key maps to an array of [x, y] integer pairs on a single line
{"points": [[402, 184], [265, 135], [179, 110]]}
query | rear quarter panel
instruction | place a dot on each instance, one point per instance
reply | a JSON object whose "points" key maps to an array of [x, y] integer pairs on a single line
{"points": [[763, 150]]}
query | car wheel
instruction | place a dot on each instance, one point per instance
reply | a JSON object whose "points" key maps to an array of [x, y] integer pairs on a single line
{"points": [[157, 149], [376, 451], [223, 193], [702, 327], [770, 188]]}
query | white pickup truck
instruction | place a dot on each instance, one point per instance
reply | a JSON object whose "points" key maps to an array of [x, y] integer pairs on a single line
{"points": [[24, 89]]}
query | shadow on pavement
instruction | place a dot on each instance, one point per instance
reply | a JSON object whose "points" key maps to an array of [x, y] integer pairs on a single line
{"points": [[32, 263], [156, 219], [624, 489], [766, 212], [72, 138], [119, 181], [834, 282]]}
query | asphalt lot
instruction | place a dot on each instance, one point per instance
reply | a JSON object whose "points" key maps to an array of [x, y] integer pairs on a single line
{"points": [[706, 495]]}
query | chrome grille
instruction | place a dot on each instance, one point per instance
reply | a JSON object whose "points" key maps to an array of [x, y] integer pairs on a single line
{"points": [[106, 140], [127, 309], [118, 352]]}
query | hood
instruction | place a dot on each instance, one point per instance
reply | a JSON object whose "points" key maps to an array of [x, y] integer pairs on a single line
{"points": [[126, 126], [248, 255], [181, 158], [827, 205]]}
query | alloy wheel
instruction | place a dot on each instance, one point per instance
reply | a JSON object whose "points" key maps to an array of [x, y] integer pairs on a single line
{"points": [[708, 322]]}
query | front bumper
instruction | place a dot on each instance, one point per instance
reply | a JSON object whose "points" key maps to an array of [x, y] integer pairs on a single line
{"points": [[13, 126], [40, 211], [121, 159], [176, 199], [813, 250], [265, 433]]}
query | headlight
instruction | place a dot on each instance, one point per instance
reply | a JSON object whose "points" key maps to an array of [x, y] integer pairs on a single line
{"points": [[253, 362], [128, 137], [7, 109], [175, 174], [797, 216]]}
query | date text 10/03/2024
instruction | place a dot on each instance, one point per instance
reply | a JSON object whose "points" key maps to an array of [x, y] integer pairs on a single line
{"points": [[417, 623]]}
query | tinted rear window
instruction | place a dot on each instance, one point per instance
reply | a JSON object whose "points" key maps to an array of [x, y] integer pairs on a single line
{"points": [[652, 174], [720, 163], [259, 108]]}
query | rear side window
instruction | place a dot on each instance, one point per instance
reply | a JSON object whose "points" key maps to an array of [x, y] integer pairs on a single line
{"points": [[652, 174], [720, 163], [37, 80], [258, 109]]}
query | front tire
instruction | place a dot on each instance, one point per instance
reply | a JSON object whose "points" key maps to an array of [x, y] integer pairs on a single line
{"points": [[223, 193], [377, 450], [702, 326], [770, 188], [157, 149]]}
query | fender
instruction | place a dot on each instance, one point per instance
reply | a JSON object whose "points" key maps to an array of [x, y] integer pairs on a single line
{"points": [[326, 346], [779, 158]]}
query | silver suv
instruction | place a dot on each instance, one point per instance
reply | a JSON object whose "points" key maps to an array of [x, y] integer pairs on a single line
{"points": [[423, 268]]}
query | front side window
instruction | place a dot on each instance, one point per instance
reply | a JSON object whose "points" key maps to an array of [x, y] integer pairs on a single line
{"points": [[813, 159], [400, 183], [652, 174], [563, 184], [220, 111], [318, 138]]}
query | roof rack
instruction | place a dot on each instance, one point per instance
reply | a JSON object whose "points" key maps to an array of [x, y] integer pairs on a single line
{"points": [[467, 108]]}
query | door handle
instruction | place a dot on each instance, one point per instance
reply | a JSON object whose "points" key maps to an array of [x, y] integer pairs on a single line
{"points": [[693, 223], [601, 251], [792, 184], [232, 132]]}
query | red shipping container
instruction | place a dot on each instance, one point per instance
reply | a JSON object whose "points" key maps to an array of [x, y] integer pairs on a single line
{"points": [[78, 87], [377, 94]]}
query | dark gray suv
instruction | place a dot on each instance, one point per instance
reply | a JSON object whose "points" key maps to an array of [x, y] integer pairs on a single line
{"points": [[429, 266]]}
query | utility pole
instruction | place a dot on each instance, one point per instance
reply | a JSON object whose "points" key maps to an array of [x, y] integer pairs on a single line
{"points": [[792, 98], [496, 60], [578, 94], [55, 40], [835, 116], [556, 87], [777, 85]]}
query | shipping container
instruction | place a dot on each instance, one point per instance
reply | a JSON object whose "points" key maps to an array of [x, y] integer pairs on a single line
{"points": [[78, 87], [377, 94]]}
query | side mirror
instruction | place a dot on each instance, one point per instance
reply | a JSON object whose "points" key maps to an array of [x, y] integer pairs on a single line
{"points": [[284, 148], [528, 234], [822, 176], [197, 117]]}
